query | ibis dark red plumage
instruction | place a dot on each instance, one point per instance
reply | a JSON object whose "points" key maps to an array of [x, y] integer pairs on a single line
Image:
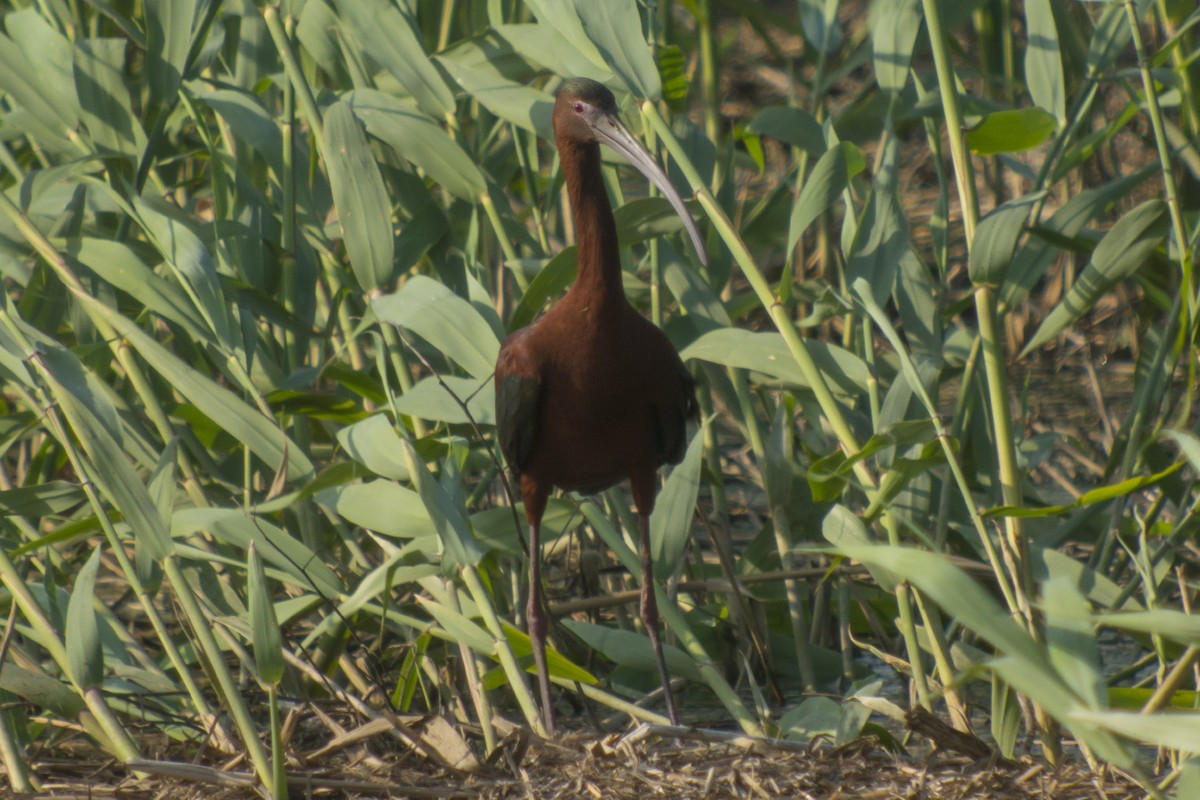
{"points": [[592, 393]]}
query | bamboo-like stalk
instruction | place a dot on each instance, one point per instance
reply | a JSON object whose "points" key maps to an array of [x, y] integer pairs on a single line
{"points": [[214, 659], [516, 676], [473, 667], [986, 311]]}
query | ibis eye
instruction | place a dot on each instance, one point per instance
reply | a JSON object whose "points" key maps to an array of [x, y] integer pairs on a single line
{"points": [[578, 108]]}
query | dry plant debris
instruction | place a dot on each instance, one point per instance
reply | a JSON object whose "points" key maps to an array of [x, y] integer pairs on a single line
{"points": [[613, 767]]}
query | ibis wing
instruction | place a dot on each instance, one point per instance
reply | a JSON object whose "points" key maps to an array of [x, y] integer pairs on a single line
{"points": [[671, 431], [517, 398]]}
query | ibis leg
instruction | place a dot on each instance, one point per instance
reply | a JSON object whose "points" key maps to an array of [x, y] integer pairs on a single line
{"points": [[539, 625], [649, 613]]}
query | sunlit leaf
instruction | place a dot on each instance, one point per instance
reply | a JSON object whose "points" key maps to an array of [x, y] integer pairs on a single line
{"points": [[364, 210], [445, 320], [104, 103], [1010, 131], [615, 28], [671, 521], [791, 125], [767, 353], [383, 31], [996, 238], [417, 138], [830, 177], [245, 423], [1043, 61], [894, 27], [633, 650], [264, 627], [84, 655], [170, 25]]}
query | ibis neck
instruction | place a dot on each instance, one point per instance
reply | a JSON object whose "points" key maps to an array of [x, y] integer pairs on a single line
{"points": [[595, 229]]}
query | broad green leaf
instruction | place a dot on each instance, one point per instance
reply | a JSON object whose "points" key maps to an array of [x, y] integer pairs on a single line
{"points": [[957, 593], [996, 239], [104, 102], [459, 547], [1100, 589], [364, 210], [1022, 662], [1043, 61], [1039, 251], [1189, 447], [916, 297], [894, 26], [248, 121], [1071, 639], [815, 716], [1043, 686], [790, 125], [1110, 37], [633, 650], [558, 41], [695, 296], [1120, 253], [35, 71], [260, 434], [194, 267], [276, 546], [504, 528], [111, 469], [119, 265], [445, 320], [430, 400], [524, 106], [1006, 715], [671, 521], [819, 20], [842, 528], [1189, 780], [558, 665], [386, 576], [388, 37], [169, 28], [374, 443], [615, 28], [1180, 731], [881, 238], [1010, 131], [318, 31], [264, 627], [904, 471], [1168, 623], [382, 506], [830, 177], [41, 690], [461, 629], [846, 373], [418, 139], [551, 281], [84, 655], [40, 499]]}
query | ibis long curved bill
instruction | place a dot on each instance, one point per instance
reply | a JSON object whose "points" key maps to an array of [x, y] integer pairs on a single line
{"points": [[612, 132]]}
